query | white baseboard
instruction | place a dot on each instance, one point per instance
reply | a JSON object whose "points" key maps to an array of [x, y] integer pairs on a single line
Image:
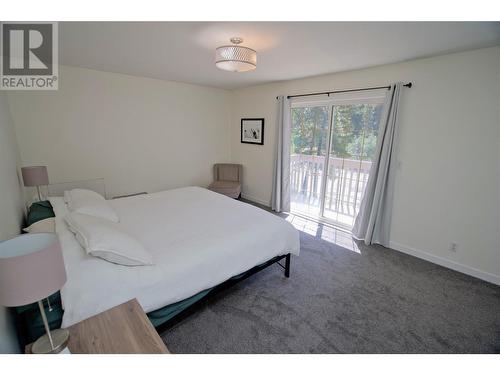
{"points": [[486, 276], [256, 200], [471, 271]]}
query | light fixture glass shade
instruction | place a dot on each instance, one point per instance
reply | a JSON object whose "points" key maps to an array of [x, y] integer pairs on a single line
{"points": [[235, 58]]}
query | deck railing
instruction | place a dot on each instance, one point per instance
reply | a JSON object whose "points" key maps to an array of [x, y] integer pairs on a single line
{"points": [[346, 181]]}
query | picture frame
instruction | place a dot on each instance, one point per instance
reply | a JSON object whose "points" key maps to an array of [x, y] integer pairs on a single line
{"points": [[252, 131]]}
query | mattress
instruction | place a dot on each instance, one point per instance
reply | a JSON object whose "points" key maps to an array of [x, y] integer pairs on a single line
{"points": [[198, 239]]}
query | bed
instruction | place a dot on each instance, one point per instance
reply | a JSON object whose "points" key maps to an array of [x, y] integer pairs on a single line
{"points": [[198, 240]]}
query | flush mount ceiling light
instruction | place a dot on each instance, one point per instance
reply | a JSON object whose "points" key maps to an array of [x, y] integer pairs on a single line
{"points": [[235, 58]]}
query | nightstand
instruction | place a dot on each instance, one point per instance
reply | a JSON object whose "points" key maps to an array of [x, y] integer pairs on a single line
{"points": [[124, 329]]}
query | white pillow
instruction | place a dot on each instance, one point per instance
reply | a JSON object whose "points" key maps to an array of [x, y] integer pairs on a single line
{"points": [[89, 202], [41, 226], [105, 239]]}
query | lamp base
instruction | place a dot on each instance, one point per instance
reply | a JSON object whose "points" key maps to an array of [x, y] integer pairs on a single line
{"points": [[60, 339]]}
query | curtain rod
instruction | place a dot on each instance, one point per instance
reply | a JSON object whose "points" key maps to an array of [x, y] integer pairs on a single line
{"points": [[409, 84]]}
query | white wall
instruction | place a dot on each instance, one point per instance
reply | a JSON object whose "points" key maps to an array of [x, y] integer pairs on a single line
{"points": [[11, 207], [139, 134], [448, 185], [143, 134]]}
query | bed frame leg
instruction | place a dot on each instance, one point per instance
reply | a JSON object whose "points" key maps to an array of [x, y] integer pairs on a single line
{"points": [[287, 265]]}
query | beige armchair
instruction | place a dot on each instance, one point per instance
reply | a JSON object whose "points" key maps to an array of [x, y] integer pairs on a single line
{"points": [[227, 179]]}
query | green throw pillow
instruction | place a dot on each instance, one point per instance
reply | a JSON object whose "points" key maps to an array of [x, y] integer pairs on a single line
{"points": [[39, 211]]}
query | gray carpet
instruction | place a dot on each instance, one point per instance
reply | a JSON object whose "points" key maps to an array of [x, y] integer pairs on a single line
{"points": [[338, 300]]}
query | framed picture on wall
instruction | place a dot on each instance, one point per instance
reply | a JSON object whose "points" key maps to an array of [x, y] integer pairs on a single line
{"points": [[252, 131]]}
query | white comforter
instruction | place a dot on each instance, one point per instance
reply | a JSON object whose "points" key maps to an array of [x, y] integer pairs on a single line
{"points": [[197, 238]]}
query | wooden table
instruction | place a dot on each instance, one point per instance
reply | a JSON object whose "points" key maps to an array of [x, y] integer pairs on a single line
{"points": [[124, 329]]}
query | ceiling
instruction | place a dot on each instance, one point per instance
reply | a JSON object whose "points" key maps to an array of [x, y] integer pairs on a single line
{"points": [[184, 51]]}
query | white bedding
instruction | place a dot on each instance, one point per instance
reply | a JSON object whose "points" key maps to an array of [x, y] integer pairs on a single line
{"points": [[197, 239]]}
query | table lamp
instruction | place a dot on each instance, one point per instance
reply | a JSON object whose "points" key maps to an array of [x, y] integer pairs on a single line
{"points": [[31, 269], [35, 176]]}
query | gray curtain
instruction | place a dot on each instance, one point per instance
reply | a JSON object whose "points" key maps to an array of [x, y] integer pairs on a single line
{"points": [[374, 218], [280, 200]]}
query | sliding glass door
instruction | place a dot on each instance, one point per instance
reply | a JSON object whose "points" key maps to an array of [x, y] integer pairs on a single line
{"points": [[310, 136], [330, 185], [354, 132]]}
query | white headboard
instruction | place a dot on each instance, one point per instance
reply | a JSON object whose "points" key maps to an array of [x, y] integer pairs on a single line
{"points": [[97, 185]]}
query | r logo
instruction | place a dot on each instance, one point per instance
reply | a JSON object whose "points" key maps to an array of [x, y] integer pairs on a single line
{"points": [[27, 49], [29, 56]]}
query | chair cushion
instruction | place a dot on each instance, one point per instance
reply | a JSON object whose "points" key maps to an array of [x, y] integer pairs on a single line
{"points": [[230, 188], [228, 172]]}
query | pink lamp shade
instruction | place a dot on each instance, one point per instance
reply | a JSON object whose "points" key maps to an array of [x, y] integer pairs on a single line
{"points": [[31, 268], [35, 176]]}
